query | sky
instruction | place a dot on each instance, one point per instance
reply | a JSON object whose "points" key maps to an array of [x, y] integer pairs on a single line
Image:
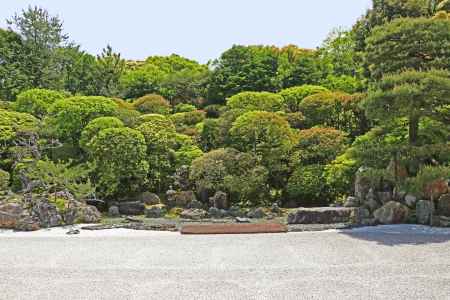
{"points": [[197, 29]]}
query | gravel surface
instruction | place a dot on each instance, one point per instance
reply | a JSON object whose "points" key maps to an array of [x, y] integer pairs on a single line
{"points": [[384, 262]]}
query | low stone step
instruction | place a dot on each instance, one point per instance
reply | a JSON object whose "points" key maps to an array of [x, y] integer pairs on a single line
{"points": [[234, 228], [323, 215]]}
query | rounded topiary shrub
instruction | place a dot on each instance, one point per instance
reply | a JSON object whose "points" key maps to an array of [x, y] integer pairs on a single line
{"points": [[96, 125], [249, 101], [307, 186], [152, 104], [37, 101], [293, 96]]}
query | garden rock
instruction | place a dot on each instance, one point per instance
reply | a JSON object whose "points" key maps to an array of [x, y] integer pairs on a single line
{"points": [[443, 207], [257, 213], [392, 213], [235, 211], [362, 185], [322, 215], [78, 212], [410, 200], [193, 214], [195, 204], [149, 198], [242, 220], [27, 224], [424, 211], [275, 209], [113, 211], [156, 211], [384, 197], [219, 200], [215, 213], [131, 208], [179, 199], [370, 202], [10, 214], [47, 213], [351, 202]]}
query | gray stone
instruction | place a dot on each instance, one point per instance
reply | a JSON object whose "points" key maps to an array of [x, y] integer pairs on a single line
{"points": [[149, 198], [322, 215], [156, 211], [275, 209], [444, 221], [410, 200], [443, 207], [179, 199], [113, 212], [215, 213], [235, 211], [351, 202], [78, 212], [257, 213], [10, 214], [27, 224], [384, 197], [131, 208], [219, 200], [193, 214], [47, 213], [362, 185], [424, 211], [370, 202], [195, 204], [360, 214], [392, 213]]}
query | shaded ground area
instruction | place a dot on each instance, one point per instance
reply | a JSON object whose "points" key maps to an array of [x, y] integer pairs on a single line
{"points": [[385, 262]]}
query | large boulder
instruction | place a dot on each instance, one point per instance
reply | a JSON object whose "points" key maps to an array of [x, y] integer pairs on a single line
{"points": [[27, 224], [47, 213], [322, 215], [443, 207], [82, 213], [10, 214], [149, 198], [257, 213], [193, 214], [410, 200], [132, 208], [392, 213], [370, 202], [113, 211], [362, 185], [424, 211], [219, 200], [156, 211], [179, 199]]}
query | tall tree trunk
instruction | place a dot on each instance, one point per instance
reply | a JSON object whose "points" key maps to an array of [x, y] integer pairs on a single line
{"points": [[413, 130]]}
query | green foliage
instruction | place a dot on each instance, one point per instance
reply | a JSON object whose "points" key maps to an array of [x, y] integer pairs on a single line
{"points": [[160, 120], [243, 68], [419, 44], [4, 180], [343, 83], [340, 175], [178, 79], [187, 119], [152, 104], [184, 107], [308, 187], [249, 101], [119, 155], [37, 101], [59, 176], [69, 116], [95, 126], [159, 138], [318, 146], [426, 175], [231, 171], [412, 95], [292, 97]]}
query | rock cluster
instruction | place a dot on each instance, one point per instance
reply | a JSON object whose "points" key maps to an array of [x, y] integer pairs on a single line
{"points": [[43, 211]]}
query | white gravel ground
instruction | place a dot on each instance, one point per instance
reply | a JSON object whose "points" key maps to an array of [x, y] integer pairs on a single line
{"points": [[385, 262]]}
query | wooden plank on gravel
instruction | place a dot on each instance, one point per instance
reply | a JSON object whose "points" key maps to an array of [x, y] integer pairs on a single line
{"points": [[234, 228]]}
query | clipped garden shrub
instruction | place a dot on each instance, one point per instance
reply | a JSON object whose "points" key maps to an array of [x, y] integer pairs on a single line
{"points": [[307, 186], [293, 96], [37, 101], [152, 104], [95, 126], [249, 101]]}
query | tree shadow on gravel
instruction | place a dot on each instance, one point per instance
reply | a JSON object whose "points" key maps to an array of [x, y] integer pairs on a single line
{"points": [[393, 235]]}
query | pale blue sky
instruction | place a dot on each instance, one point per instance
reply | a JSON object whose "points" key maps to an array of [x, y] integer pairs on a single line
{"points": [[198, 29]]}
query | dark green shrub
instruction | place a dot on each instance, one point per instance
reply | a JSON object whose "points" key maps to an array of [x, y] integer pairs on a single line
{"points": [[308, 187]]}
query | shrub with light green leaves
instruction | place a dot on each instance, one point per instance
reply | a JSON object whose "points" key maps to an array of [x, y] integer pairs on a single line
{"points": [[152, 104], [293, 96], [95, 126], [262, 101], [37, 101]]}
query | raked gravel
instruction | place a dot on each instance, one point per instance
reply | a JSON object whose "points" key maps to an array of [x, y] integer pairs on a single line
{"points": [[384, 262]]}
